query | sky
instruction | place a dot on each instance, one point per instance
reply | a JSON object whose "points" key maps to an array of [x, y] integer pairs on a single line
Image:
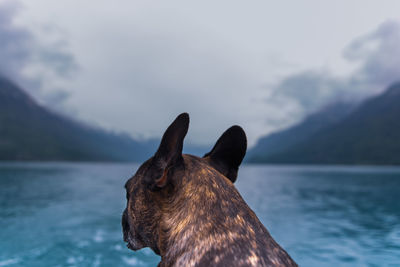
{"points": [[132, 66]]}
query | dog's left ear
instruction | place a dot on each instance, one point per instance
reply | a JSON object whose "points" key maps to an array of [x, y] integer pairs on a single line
{"points": [[169, 153], [228, 153]]}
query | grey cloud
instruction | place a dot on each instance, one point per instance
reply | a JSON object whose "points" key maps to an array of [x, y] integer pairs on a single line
{"points": [[21, 50], [381, 58], [162, 75], [57, 97], [14, 43], [377, 56], [61, 62]]}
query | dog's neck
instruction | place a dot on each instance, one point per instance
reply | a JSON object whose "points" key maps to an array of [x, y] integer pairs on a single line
{"points": [[205, 214]]}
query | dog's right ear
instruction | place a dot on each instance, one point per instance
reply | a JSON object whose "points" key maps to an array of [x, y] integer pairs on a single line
{"points": [[228, 153], [169, 152]]}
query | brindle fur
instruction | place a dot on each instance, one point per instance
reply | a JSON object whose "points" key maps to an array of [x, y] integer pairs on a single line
{"points": [[196, 218]]}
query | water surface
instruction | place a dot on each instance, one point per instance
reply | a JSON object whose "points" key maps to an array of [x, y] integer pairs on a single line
{"points": [[63, 214]]}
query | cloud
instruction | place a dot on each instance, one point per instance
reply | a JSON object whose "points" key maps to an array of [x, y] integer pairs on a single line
{"points": [[379, 56], [30, 61], [141, 64], [377, 59], [15, 42]]}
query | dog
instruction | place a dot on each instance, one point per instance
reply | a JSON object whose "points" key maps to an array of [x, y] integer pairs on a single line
{"points": [[188, 211]]}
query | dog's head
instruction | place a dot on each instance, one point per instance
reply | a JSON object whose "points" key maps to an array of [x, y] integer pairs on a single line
{"points": [[157, 182]]}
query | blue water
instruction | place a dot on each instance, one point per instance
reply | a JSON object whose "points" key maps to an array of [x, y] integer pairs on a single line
{"points": [[60, 214]]}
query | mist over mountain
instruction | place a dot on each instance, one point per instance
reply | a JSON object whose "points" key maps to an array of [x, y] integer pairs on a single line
{"points": [[343, 133], [29, 131], [367, 134], [284, 139]]}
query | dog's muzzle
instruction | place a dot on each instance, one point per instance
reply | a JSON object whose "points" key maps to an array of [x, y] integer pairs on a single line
{"points": [[133, 240]]}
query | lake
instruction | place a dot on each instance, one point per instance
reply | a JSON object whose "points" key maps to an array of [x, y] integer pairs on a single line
{"points": [[64, 214]]}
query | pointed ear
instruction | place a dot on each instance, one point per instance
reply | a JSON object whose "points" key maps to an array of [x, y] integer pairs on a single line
{"points": [[228, 152], [169, 152]]}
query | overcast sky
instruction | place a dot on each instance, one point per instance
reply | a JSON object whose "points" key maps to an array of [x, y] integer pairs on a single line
{"points": [[133, 66]]}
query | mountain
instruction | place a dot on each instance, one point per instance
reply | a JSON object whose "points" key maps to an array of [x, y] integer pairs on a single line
{"points": [[369, 134], [279, 141], [29, 131]]}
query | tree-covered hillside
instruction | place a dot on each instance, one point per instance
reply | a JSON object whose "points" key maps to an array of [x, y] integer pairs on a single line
{"points": [[29, 131], [370, 134]]}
